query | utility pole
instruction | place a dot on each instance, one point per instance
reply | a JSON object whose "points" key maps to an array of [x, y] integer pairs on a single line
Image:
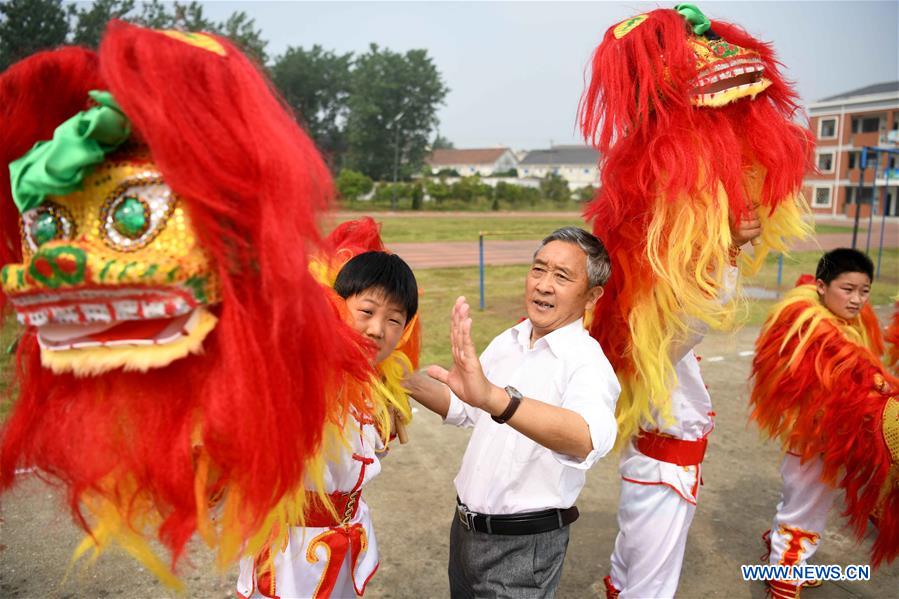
{"points": [[396, 156]]}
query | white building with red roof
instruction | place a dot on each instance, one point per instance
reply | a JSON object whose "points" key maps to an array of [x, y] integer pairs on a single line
{"points": [[478, 161]]}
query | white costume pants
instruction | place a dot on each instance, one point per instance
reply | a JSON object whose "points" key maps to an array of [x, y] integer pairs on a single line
{"points": [[653, 521], [802, 512]]}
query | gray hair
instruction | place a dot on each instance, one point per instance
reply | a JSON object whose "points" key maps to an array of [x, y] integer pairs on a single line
{"points": [[599, 266]]}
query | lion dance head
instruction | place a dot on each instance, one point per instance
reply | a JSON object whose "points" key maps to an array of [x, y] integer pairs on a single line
{"points": [[158, 217], [694, 124]]}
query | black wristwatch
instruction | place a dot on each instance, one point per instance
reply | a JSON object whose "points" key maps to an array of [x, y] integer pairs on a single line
{"points": [[515, 398]]}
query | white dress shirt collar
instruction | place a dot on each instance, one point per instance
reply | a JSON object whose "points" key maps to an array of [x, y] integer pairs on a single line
{"points": [[556, 340]]}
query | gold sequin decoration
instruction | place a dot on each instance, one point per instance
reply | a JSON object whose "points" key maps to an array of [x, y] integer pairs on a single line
{"points": [[891, 427]]}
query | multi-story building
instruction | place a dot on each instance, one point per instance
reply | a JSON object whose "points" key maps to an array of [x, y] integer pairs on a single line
{"points": [[576, 164], [844, 124]]}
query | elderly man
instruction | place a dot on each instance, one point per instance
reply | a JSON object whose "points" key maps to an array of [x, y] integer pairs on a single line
{"points": [[541, 400]]}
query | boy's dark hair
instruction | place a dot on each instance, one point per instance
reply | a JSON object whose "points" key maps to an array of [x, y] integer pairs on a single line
{"points": [[386, 272], [842, 260]]}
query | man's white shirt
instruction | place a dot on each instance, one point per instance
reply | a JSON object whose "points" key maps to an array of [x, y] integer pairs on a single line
{"points": [[503, 471]]}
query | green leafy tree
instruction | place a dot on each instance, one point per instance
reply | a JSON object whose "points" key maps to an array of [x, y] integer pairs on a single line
{"points": [[91, 20], [555, 189], [471, 189], [392, 107], [238, 27], [585, 194], [442, 143], [352, 184], [316, 85], [438, 190], [28, 26], [241, 29], [418, 195], [384, 192]]}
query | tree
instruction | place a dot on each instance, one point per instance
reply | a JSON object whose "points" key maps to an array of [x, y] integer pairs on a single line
{"points": [[555, 188], [471, 189], [392, 106], [316, 83], [418, 195], [442, 143], [438, 190], [90, 21], [352, 184], [28, 26], [585, 194], [239, 27]]}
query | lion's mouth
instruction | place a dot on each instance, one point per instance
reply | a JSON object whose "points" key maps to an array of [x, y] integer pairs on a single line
{"points": [[156, 331], [85, 317], [730, 80]]}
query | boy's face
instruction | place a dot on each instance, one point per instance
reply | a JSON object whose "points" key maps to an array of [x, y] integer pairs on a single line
{"points": [[380, 319], [845, 295]]}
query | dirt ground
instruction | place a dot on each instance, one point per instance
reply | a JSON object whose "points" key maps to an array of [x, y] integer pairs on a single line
{"points": [[413, 500]]}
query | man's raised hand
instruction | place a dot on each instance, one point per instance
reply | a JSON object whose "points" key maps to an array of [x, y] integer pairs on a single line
{"points": [[466, 377]]}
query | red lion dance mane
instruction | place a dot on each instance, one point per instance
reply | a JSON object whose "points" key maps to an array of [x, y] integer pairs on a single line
{"points": [[146, 447], [694, 124], [820, 388]]}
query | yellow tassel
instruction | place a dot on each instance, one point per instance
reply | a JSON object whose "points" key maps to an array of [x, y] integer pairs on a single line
{"points": [[687, 249], [110, 528]]}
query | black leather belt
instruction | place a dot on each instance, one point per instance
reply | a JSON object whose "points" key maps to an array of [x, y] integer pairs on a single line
{"points": [[525, 523]]}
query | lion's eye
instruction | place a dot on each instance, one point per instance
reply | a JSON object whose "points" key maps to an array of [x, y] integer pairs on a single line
{"points": [[136, 213], [45, 223]]}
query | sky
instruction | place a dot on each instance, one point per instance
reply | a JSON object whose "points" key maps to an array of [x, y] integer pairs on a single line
{"points": [[516, 69]]}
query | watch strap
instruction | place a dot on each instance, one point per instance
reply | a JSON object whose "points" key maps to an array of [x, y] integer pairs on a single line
{"points": [[515, 398]]}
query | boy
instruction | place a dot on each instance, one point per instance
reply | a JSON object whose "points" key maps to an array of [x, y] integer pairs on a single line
{"points": [[818, 381], [336, 556]]}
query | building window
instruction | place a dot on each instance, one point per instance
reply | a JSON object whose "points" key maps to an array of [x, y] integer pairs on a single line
{"points": [[821, 198], [825, 162], [867, 195], [866, 124], [827, 128], [855, 157]]}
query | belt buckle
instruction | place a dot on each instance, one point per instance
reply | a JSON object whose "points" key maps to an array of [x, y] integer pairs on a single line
{"points": [[466, 517]]}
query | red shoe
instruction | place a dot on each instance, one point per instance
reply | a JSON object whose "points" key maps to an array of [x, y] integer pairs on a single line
{"points": [[780, 589], [766, 539], [611, 591]]}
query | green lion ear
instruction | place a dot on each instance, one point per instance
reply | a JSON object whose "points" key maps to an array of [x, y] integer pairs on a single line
{"points": [[694, 17], [58, 166]]}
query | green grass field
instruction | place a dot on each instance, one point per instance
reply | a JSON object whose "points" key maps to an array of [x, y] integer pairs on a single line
{"points": [[505, 297], [425, 227], [420, 229], [841, 229]]}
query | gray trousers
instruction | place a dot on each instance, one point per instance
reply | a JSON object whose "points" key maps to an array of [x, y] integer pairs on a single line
{"points": [[483, 566]]}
